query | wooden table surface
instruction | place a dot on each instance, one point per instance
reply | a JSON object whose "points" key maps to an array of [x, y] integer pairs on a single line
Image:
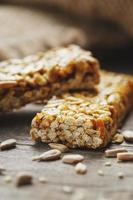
{"points": [[84, 187]]}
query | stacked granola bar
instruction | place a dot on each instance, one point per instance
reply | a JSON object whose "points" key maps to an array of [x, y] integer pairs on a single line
{"points": [[41, 76], [80, 113], [86, 119]]}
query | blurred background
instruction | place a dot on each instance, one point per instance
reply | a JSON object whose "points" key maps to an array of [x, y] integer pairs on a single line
{"points": [[102, 26]]}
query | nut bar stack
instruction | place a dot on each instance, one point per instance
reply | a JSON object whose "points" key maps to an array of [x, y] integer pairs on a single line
{"points": [[41, 76], [86, 119]]}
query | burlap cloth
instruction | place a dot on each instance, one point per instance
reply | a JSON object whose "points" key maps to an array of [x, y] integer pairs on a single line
{"points": [[109, 23], [26, 31]]}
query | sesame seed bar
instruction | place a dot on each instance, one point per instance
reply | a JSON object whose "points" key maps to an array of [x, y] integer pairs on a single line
{"points": [[41, 76], [86, 119]]}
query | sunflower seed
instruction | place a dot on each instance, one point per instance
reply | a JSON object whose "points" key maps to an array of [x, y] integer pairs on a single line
{"points": [[42, 179], [67, 189], [113, 152], [81, 194], [81, 168], [108, 164], [100, 173], [8, 179], [2, 169], [23, 178], [118, 138], [128, 135], [50, 155], [125, 156], [8, 144], [61, 147], [72, 158], [120, 175]]}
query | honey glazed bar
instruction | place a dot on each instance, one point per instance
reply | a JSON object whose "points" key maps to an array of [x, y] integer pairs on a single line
{"points": [[86, 119], [41, 76]]}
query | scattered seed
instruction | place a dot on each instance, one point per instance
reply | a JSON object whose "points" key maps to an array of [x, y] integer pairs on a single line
{"points": [[81, 168], [8, 144], [2, 169], [118, 138], [8, 179], [128, 135], [108, 164], [23, 178], [125, 156], [42, 180], [120, 175], [61, 147], [81, 194], [100, 173], [67, 189], [72, 158], [113, 152], [50, 155]]}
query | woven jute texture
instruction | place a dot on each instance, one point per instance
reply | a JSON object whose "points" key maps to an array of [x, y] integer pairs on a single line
{"points": [[110, 22], [26, 31]]}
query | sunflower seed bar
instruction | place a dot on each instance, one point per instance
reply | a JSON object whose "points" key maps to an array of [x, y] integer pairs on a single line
{"points": [[84, 119], [40, 76]]}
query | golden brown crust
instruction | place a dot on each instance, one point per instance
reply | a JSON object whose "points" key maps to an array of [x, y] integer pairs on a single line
{"points": [[40, 76], [84, 119]]}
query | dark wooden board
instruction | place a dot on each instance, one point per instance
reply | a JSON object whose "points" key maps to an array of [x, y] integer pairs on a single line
{"points": [[89, 186]]}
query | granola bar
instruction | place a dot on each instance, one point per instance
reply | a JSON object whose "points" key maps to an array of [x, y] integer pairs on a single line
{"points": [[84, 119], [40, 76]]}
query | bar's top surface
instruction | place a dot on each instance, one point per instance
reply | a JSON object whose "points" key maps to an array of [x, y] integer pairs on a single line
{"points": [[15, 69], [111, 88]]}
